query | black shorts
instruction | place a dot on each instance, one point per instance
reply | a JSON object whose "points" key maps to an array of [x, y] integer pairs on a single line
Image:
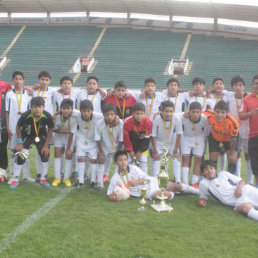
{"points": [[253, 153], [214, 145]]}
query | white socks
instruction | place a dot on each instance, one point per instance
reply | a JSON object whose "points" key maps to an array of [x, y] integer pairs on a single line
{"points": [[189, 189], [195, 179], [176, 170], [250, 175], [238, 167], [81, 167], [155, 167], [185, 175], [100, 173], [68, 168], [253, 214], [144, 167], [11, 164], [222, 161], [57, 167], [17, 171], [108, 165], [94, 172], [44, 169]]}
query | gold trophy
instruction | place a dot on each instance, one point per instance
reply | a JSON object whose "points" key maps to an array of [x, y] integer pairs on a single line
{"points": [[142, 201], [163, 181]]}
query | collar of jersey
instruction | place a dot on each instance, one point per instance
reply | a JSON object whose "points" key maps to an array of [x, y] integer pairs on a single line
{"points": [[31, 116], [89, 119]]}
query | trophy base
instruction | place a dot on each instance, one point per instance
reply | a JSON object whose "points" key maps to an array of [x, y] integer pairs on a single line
{"points": [[159, 208]]}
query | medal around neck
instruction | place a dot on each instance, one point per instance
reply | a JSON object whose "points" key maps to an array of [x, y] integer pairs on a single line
{"points": [[163, 181], [37, 139]]}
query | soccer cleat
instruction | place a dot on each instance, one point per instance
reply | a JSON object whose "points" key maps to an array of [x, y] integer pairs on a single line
{"points": [[196, 186], [75, 175], [29, 179], [44, 183], [78, 185], [38, 177], [86, 177], [105, 178], [99, 186], [67, 182], [10, 180], [56, 182], [14, 184], [92, 185]]}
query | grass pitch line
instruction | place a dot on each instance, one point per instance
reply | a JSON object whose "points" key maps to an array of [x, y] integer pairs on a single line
{"points": [[14, 41], [9, 238], [91, 54]]}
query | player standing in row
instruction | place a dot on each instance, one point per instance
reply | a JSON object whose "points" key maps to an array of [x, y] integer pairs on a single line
{"points": [[195, 127], [17, 102], [122, 100], [137, 136], [166, 132], [93, 93], [65, 129], [250, 111], [109, 138], [35, 126]]}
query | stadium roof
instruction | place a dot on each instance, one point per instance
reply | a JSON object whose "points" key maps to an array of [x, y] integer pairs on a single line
{"points": [[235, 10]]}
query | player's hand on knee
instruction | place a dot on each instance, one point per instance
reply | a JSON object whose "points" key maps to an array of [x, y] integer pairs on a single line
{"points": [[101, 157], [202, 202], [68, 154], [45, 151], [156, 156]]}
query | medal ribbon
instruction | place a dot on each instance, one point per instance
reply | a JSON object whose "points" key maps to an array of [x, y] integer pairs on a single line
{"points": [[69, 95], [111, 135], [88, 128], [92, 97], [170, 127], [122, 113], [35, 126], [204, 100], [125, 184], [221, 98], [237, 105], [19, 101], [172, 101], [223, 130], [147, 105], [42, 93], [63, 121], [136, 130]]}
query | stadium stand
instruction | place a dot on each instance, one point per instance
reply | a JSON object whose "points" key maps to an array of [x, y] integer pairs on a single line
{"points": [[124, 54]]}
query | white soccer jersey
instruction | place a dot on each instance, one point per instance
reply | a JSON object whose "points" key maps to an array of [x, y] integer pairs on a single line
{"points": [[95, 99], [134, 172], [151, 104], [107, 136], [70, 122], [48, 96], [178, 101], [235, 105], [207, 103], [86, 131], [58, 97], [166, 137], [222, 187], [12, 106], [216, 99]]}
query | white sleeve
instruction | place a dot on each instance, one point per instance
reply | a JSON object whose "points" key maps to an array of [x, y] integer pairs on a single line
{"points": [[233, 178], [155, 127], [7, 102], [103, 96], [204, 190], [97, 136], [136, 95], [113, 183], [74, 126], [178, 121], [211, 103]]}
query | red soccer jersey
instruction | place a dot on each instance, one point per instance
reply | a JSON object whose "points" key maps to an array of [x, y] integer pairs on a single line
{"points": [[251, 102], [124, 106], [137, 135]]}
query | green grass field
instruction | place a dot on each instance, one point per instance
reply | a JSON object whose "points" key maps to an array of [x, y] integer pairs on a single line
{"points": [[39, 222]]}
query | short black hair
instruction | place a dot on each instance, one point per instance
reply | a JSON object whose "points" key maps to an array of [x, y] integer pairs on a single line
{"points": [[165, 104], [120, 84], [221, 104], [195, 105], [66, 103], [207, 163], [44, 74], [217, 79], [255, 78], [66, 78], [92, 78], [138, 106], [149, 80], [18, 73], [173, 79], [37, 101], [86, 104], [198, 80], [120, 153], [236, 79], [109, 107]]}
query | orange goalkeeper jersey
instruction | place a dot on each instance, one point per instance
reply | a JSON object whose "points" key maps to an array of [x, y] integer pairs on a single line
{"points": [[222, 131]]}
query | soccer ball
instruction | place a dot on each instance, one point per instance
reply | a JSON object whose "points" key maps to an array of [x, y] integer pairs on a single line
{"points": [[3, 175], [122, 192]]}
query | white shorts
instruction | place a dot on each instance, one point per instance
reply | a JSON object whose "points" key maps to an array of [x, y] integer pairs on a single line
{"points": [[189, 144], [143, 158], [13, 142], [242, 144], [61, 141], [83, 151], [249, 195]]}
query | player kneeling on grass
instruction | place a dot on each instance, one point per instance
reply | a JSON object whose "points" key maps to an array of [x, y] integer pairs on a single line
{"points": [[131, 178], [228, 189], [65, 130], [33, 127], [109, 138]]}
